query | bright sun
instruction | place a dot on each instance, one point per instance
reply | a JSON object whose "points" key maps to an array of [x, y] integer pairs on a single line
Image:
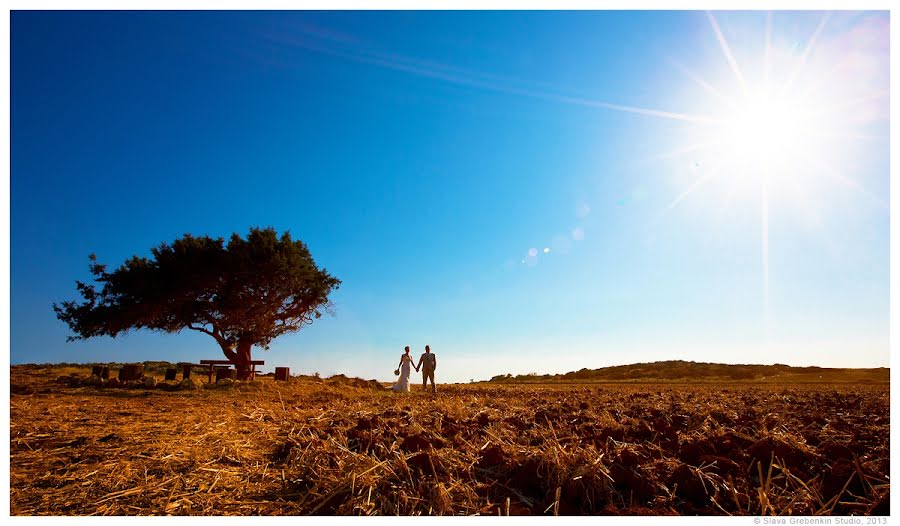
{"points": [[766, 127], [782, 124], [781, 128]]}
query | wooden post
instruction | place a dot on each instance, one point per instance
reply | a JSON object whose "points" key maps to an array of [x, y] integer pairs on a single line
{"points": [[97, 370], [131, 371], [225, 372], [104, 373], [186, 371], [282, 374], [170, 374]]}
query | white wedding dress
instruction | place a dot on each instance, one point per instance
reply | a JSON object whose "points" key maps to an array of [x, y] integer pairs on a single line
{"points": [[402, 385]]}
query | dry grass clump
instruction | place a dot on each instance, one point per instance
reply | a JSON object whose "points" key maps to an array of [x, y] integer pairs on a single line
{"points": [[346, 446]]}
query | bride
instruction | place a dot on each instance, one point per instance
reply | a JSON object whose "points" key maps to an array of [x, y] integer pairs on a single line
{"points": [[402, 385]]}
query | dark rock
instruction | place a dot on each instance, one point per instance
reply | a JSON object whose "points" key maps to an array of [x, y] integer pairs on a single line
{"points": [[833, 451], [21, 389], [426, 463], [721, 465], [690, 486], [881, 507], [414, 443], [785, 453], [839, 474], [491, 456]]}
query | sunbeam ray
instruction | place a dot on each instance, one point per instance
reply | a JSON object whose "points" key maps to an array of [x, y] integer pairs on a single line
{"points": [[687, 117], [764, 215], [478, 80], [707, 87], [767, 53], [824, 78], [851, 136], [869, 97], [801, 62], [709, 175], [672, 154], [727, 51], [844, 180]]}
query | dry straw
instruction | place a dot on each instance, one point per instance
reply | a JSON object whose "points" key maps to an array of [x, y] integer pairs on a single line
{"points": [[346, 446]]}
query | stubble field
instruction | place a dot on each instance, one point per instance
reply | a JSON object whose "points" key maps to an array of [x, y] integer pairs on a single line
{"points": [[344, 447]]}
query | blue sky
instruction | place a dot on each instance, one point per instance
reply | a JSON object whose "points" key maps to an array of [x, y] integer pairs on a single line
{"points": [[523, 191]]}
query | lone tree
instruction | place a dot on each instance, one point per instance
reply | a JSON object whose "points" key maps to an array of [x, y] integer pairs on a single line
{"points": [[244, 294]]}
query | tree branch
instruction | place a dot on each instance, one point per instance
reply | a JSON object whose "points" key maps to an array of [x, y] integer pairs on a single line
{"points": [[214, 333], [201, 329]]}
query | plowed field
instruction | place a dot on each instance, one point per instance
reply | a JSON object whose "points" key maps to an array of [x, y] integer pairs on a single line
{"points": [[343, 447]]}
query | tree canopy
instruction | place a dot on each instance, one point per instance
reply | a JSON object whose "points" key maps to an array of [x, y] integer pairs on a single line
{"points": [[245, 293]]}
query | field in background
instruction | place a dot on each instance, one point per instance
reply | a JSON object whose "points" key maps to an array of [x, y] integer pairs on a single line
{"points": [[342, 446], [682, 371]]}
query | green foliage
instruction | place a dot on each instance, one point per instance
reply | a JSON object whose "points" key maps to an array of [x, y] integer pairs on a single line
{"points": [[247, 292]]}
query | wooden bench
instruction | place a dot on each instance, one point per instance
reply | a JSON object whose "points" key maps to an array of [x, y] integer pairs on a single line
{"points": [[213, 363]]}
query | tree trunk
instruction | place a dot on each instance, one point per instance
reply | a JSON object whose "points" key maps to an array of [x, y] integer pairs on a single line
{"points": [[131, 371], [242, 360]]}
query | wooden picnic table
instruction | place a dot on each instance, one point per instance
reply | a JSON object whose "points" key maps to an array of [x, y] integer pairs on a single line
{"points": [[213, 363]]}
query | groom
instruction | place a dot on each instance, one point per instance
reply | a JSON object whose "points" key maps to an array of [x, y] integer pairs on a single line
{"points": [[428, 361]]}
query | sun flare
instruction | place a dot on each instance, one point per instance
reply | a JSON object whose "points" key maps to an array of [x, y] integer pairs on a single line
{"points": [[778, 128], [768, 128]]}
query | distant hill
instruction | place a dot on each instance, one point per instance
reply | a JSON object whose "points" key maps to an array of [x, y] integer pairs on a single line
{"points": [[682, 371]]}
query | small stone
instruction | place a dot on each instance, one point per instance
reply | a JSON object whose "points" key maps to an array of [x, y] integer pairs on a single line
{"points": [[21, 389], [415, 443], [190, 383], [225, 382]]}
